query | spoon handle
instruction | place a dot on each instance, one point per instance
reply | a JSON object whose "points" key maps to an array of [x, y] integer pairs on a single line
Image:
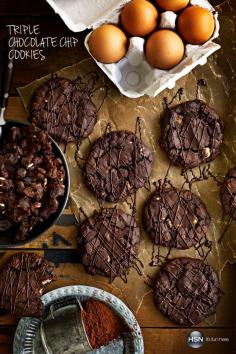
{"points": [[7, 71]]}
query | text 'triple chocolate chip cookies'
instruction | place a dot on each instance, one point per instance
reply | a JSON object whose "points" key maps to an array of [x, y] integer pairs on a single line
{"points": [[108, 243], [64, 109], [187, 291], [228, 194], [117, 166], [22, 281], [175, 218], [191, 134]]}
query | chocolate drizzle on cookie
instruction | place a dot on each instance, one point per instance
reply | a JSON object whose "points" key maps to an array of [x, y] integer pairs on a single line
{"points": [[228, 199], [64, 109], [191, 134], [176, 218], [22, 281], [108, 244], [118, 165], [187, 291]]}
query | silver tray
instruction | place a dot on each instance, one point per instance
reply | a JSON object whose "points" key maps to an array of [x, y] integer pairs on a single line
{"points": [[28, 327]]}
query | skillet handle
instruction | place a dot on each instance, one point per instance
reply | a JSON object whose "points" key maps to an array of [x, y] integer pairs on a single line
{"points": [[7, 71]]}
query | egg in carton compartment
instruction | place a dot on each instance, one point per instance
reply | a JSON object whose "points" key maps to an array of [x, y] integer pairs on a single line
{"points": [[133, 75]]}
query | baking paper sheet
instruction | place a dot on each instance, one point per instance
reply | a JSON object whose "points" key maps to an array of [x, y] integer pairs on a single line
{"points": [[122, 112]]}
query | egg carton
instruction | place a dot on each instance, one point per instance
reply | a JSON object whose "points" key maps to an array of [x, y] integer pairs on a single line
{"points": [[133, 75]]}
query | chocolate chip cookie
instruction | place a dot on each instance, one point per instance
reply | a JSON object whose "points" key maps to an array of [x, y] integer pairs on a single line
{"points": [[118, 165], [108, 243], [64, 109], [175, 218], [187, 291], [228, 194], [191, 134], [22, 281]]}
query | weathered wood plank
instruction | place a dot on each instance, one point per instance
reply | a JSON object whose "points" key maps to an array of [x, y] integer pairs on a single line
{"points": [[162, 341], [174, 341]]}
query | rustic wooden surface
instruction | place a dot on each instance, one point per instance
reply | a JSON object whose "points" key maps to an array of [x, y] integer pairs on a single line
{"points": [[160, 335]]}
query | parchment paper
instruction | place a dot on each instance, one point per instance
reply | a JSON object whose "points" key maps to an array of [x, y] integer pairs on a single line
{"points": [[122, 112]]}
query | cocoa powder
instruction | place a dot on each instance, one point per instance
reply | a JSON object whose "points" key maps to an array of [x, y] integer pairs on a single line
{"points": [[101, 324]]}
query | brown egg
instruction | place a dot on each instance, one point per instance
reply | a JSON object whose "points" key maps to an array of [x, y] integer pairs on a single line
{"points": [[108, 44], [139, 18], [164, 49], [196, 25], [172, 5]]}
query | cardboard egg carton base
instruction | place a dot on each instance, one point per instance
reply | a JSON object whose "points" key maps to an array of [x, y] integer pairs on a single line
{"points": [[133, 76]]}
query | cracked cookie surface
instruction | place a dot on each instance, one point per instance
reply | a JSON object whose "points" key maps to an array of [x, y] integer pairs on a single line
{"points": [[118, 165], [108, 243], [191, 134], [187, 291], [175, 218]]}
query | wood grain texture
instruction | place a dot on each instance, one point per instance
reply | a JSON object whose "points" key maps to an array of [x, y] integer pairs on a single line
{"points": [[160, 341]]}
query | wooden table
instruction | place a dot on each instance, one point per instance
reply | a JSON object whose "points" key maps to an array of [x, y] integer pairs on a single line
{"points": [[161, 337]]}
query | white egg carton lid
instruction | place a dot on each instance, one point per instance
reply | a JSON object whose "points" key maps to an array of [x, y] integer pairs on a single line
{"points": [[133, 76]]}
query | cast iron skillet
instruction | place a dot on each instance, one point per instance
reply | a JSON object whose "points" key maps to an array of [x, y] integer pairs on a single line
{"points": [[6, 237]]}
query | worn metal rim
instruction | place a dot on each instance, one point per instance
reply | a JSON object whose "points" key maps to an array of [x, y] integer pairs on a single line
{"points": [[27, 327]]}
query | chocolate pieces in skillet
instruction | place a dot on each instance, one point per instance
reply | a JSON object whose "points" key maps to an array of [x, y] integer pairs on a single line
{"points": [[31, 180]]}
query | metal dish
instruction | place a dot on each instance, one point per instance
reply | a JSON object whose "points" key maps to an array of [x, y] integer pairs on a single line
{"points": [[26, 339]]}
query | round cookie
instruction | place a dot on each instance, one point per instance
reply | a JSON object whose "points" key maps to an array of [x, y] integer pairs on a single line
{"points": [[108, 243], [191, 134], [187, 291], [62, 108], [22, 281], [175, 218], [228, 194], [117, 166]]}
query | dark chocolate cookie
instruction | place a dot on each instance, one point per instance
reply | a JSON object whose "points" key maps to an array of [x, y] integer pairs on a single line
{"points": [[175, 218], [191, 134], [118, 165], [22, 281], [187, 291], [64, 109], [228, 194], [109, 243]]}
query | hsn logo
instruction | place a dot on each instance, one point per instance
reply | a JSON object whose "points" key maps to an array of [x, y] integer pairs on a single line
{"points": [[195, 339]]}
